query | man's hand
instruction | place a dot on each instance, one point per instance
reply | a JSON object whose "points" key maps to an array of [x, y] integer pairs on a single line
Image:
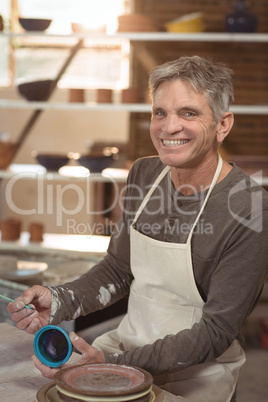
{"points": [[31, 320], [89, 355]]}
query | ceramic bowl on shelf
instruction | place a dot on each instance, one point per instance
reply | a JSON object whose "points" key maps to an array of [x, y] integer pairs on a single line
{"points": [[52, 162], [36, 90], [192, 22], [34, 24], [97, 161], [81, 28], [136, 22]]}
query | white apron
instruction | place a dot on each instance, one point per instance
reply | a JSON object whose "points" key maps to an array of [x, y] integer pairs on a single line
{"points": [[164, 300]]}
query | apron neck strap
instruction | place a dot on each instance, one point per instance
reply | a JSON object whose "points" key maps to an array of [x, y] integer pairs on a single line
{"points": [[159, 179], [150, 192], [214, 181]]}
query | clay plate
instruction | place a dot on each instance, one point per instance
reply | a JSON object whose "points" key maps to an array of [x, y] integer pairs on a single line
{"points": [[48, 393], [103, 379], [65, 396]]}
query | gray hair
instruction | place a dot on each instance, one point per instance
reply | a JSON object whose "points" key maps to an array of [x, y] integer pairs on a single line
{"points": [[206, 77]]}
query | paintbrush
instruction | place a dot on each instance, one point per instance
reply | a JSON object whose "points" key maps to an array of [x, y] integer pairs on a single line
{"points": [[11, 300]]}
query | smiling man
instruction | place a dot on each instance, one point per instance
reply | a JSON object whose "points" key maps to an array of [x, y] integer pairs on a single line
{"points": [[190, 252], [187, 124]]}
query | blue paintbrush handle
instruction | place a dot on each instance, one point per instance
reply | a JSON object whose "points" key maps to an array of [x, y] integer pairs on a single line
{"points": [[11, 300]]}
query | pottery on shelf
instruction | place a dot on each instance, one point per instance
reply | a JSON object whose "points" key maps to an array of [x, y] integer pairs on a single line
{"points": [[241, 19]]}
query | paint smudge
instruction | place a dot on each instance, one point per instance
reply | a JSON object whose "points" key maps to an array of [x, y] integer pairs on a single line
{"points": [[104, 295]]}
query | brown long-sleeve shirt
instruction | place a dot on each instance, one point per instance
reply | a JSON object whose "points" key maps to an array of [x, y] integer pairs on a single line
{"points": [[228, 254]]}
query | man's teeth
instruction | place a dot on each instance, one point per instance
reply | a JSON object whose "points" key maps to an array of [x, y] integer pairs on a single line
{"points": [[173, 143]]}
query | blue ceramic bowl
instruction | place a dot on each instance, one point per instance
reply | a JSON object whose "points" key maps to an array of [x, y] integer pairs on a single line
{"points": [[52, 162], [52, 346], [96, 162]]}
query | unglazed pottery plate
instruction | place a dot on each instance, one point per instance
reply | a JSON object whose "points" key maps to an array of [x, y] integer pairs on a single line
{"points": [[103, 380], [140, 396], [48, 393]]}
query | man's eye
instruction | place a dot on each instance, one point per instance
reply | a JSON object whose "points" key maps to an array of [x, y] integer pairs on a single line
{"points": [[159, 113], [189, 114]]}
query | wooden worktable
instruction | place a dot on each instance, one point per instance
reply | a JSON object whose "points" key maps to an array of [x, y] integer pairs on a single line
{"points": [[19, 380]]}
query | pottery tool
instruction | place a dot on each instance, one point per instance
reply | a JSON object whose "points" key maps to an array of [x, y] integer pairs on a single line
{"points": [[11, 300]]}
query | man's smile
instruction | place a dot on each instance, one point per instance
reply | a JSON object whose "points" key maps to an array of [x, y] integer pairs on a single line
{"points": [[174, 143]]}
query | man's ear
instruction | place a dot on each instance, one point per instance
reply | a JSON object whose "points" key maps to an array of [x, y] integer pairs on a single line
{"points": [[224, 126]]}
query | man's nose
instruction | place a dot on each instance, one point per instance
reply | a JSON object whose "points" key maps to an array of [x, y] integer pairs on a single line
{"points": [[173, 124]]}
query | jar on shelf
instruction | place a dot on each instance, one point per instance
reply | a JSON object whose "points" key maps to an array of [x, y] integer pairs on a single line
{"points": [[241, 19], [1, 23]]}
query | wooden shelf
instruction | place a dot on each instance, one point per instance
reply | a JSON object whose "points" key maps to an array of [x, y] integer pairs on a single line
{"points": [[90, 106], [130, 107], [32, 172], [67, 244], [153, 36], [72, 173]]}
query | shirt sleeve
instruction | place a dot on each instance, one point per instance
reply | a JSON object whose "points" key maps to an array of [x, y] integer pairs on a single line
{"points": [[104, 284]]}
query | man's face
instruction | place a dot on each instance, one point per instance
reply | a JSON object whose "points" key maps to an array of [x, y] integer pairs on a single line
{"points": [[182, 127]]}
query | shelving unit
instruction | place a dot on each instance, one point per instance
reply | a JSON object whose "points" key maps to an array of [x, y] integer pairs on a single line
{"points": [[134, 37], [138, 40], [145, 45]]}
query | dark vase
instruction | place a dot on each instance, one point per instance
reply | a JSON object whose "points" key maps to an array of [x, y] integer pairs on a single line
{"points": [[1, 23], [241, 19]]}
